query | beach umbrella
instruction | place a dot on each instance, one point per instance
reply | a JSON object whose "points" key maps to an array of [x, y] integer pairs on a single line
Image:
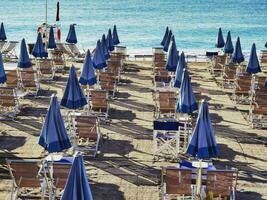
{"points": [[228, 47], [115, 36], [265, 83], [253, 66], [187, 101], [220, 40], [173, 57], [165, 36], [2, 71], [24, 60], [2, 32], [51, 41], [73, 96], [238, 55], [57, 13], [77, 186], [39, 49], [203, 143], [54, 137], [266, 44], [72, 38], [105, 51], [88, 73], [98, 58], [179, 71], [109, 41], [168, 40]]}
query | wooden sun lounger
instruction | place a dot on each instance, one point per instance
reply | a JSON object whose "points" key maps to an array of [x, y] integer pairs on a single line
{"points": [[263, 60], [74, 50], [115, 67], [58, 59], [166, 102], [29, 81], [9, 49], [61, 47], [99, 101], [218, 65], [258, 110], [2, 45], [159, 57], [242, 87], [108, 82], [12, 78], [9, 103], [46, 69], [229, 73]]}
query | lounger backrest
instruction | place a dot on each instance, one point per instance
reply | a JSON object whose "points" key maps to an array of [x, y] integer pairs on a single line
{"points": [[28, 78], [160, 64], [99, 98], [74, 49], [63, 49], [159, 57], [46, 66], [61, 173], [7, 97], [57, 57], [219, 61], [25, 173], [12, 78], [2, 44], [87, 127], [10, 46]]}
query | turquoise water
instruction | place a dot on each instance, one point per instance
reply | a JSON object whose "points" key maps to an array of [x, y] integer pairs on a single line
{"points": [[141, 23]]}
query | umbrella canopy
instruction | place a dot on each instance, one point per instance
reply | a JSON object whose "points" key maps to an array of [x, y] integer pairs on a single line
{"points": [[165, 36], [238, 55], [24, 60], [266, 44], [109, 41], [39, 49], [51, 41], [54, 137], [167, 42], [98, 58], [88, 72], [57, 13], [2, 71], [203, 143], [73, 97], [253, 66], [173, 57], [115, 36], [72, 38], [220, 41], [2, 32], [104, 47], [187, 101], [179, 71], [228, 48], [77, 186], [265, 83]]}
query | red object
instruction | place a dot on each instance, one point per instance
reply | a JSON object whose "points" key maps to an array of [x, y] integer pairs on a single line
{"points": [[39, 30], [58, 34]]}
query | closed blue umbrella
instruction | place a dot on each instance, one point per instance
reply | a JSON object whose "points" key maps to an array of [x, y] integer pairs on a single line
{"points": [[253, 66], [73, 97], [2, 71], [54, 137], [266, 44], [2, 32], [39, 49], [77, 186], [99, 60], [51, 41], [220, 40], [228, 48], [115, 36], [179, 71], [165, 36], [72, 38], [187, 101], [24, 60], [88, 72], [203, 143], [265, 83], [238, 55], [172, 59], [104, 47], [109, 41], [167, 42]]}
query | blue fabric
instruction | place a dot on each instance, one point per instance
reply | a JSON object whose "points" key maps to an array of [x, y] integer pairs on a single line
{"points": [[167, 125], [73, 96], [77, 186], [167, 42], [179, 71], [2, 71], [220, 41], [105, 51], [72, 38], [229, 48], [187, 101], [265, 83], [99, 60], [165, 36], [88, 73], [54, 137], [172, 59], [51, 41], [109, 41], [24, 60], [203, 143], [115, 36], [253, 66], [238, 55], [2, 32], [184, 164], [266, 44], [39, 49]]}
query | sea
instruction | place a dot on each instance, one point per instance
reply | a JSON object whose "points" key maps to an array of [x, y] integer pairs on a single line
{"points": [[141, 23]]}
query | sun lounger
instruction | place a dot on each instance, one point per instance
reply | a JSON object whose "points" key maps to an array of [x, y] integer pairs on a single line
{"points": [[46, 69], [159, 57], [9, 103], [87, 134], [75, 50], [218, 65], [108, 82], [12, 79], [263, 59], [2, 45], [29, 81], [114, 67], [61, 47], [258, 110], [166, 103], [229, 72], [9, 49], [99, 101], [242, 85], [25, 175], [58, 59]]}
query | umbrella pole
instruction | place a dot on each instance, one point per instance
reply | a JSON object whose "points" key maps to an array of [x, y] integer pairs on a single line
{"points": [[199, 181], [98, 75], [88, 93]]}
